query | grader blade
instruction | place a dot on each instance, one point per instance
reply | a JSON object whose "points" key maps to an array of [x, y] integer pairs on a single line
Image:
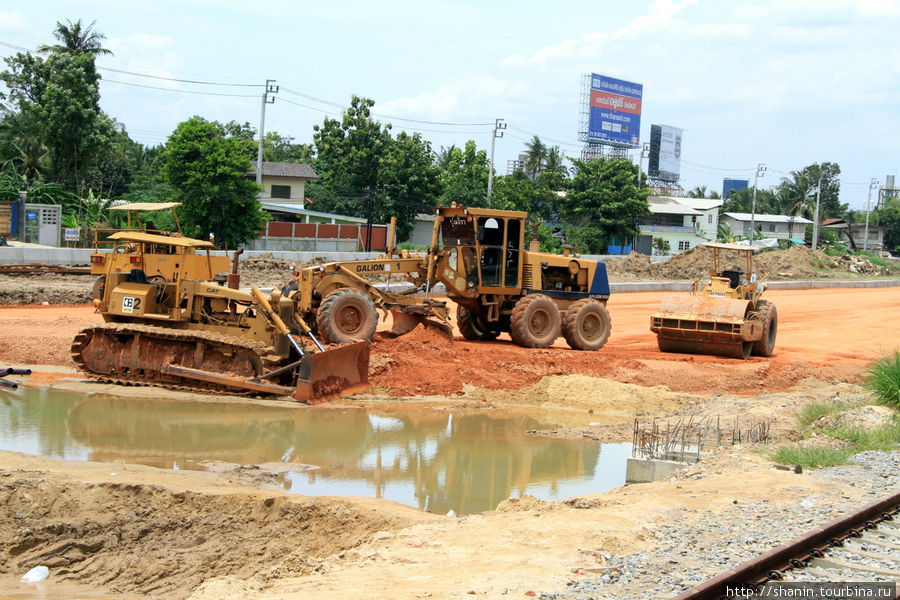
{"points": [[406, 321], [336, 372], [705, 325]]}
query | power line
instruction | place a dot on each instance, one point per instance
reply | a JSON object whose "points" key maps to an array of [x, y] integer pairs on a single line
{"points": [[154, 87], [179, 80]]}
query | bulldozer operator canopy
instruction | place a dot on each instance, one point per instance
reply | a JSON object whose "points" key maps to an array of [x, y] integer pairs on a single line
{"points": [[738, 247], [149, 238], [146, 206]]}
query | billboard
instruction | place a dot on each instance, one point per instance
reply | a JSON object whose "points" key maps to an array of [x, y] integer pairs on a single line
{"points": [[665, 153], [615, 111], [733, 184]]}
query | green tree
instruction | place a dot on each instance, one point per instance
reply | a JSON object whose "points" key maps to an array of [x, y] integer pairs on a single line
{"points": [[56, 101], [701, 192], [464, 179], [535, 156], [801, 188], [554, 162], [409, 182], [278, 148], [889, 218], [603, 201], [76, 39], [518, 192], [208, 170]]}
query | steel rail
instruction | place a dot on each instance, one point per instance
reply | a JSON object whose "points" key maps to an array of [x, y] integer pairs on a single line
{"points": [[796, 553]]}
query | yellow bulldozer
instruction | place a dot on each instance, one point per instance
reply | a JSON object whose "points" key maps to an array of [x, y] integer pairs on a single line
{"points": [[727, 317], [480, 256], [180, 326]]}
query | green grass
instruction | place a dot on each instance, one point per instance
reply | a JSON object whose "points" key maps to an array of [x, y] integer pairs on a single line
{"points": [[811, 457], [883, 378], [810, 412], [881, 438]]}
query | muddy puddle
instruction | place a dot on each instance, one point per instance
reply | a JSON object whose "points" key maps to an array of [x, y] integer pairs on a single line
{"points": [[434, 460]]}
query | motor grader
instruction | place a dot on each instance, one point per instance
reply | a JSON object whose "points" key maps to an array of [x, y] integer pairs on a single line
{"points": [[180, 328], [727, 317], [481, 258]]}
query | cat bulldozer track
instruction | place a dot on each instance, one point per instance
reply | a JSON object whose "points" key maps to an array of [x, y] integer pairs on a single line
{"points": [[178, 331], [727, 317]]}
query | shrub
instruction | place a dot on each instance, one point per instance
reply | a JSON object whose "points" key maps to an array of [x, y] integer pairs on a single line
{"points": [[883, 378]]}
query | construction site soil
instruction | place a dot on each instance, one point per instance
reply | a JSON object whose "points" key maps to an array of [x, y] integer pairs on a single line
{"points": [[131, 531]]}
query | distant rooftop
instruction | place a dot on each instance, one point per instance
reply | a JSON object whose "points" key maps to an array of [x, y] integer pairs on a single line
{"points": [[766, 218], [283, 169]]}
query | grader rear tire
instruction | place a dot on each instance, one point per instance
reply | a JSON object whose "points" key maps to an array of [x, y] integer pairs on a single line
{"points": [[769, 317], [586, 325], [535, 321], [346, 315], [472, 326]]}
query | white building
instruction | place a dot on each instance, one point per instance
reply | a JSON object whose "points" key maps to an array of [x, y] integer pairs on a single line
{"points": [[284, 183], [780, 227], [682, 222]]}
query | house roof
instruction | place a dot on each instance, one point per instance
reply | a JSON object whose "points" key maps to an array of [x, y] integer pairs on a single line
{"points": [[296, 210], [766, 218], [701, 203], [695, 203], [282, 169], [666, 205]]}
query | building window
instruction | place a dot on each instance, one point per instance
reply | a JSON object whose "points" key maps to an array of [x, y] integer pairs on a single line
{"points": [[684, 245], [709, 218], [281, 191]]}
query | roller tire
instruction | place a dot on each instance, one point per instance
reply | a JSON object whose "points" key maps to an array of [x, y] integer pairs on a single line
{"points": [[769, 317], [586, 325], [472, 327], [535, 321], [346, 315]]}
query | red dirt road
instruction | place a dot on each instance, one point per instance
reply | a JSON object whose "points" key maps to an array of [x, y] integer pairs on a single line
{"points": [[827, 334]]}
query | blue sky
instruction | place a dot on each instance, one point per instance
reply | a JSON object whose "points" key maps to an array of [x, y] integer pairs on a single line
{"points": [[786, 83]]}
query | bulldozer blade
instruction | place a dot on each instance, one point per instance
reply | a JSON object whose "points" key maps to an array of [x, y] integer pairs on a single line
{"points": [[404, 322], [336, 372]]}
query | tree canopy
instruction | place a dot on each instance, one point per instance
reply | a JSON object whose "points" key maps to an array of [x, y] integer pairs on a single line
{"points": [[207, 170], [603, 202]]}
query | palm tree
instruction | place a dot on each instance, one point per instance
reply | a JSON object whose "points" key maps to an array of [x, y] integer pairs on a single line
{"points": [[77, 39], [553, 163], [535, 156]]}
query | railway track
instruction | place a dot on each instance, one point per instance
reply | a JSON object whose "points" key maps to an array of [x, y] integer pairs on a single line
{"points": [[863, 546]]}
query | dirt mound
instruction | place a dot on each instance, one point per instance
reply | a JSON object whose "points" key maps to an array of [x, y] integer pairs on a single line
{"points": [[633, 266], [165, 543], [51, 288], [798, 262]]}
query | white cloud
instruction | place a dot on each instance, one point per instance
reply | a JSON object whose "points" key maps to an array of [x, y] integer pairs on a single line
{"points": [[12, 20], [457, 99]]}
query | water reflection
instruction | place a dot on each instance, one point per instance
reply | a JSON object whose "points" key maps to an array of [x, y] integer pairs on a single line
{"points": [[430, 459]]}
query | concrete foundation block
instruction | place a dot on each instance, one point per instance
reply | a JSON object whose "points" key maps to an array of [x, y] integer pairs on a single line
{"points": [[645, 470]]}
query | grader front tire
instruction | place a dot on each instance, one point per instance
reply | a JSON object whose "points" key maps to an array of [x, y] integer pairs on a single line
{"points": [[586, 325], [472, 327], [535, 321], [346, 315]]}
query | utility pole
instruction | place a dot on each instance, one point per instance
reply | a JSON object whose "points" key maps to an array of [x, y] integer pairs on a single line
{"points": [[499, 126], [271, 88], [645, 153], [816, 216], [873, 184], [760, 172]]}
